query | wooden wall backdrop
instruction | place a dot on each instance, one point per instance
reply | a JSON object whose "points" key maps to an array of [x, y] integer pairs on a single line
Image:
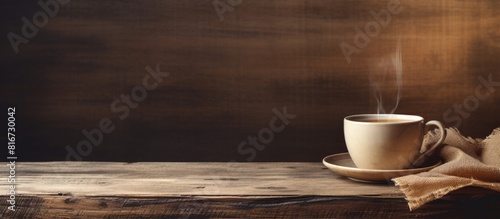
{"points": [[226, 77]]}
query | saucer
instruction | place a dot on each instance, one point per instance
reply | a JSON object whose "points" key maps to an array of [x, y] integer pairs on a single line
{"points": [[342, 164]]}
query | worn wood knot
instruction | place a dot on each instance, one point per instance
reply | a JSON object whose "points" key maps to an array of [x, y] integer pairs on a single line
{"points": [[70, 200], [64, 194], [103, 205]]}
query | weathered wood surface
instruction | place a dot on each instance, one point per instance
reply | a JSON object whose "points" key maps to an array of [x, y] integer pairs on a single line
{"points": [[166, 179], [202, 190], [45, 206], [226, 77]]}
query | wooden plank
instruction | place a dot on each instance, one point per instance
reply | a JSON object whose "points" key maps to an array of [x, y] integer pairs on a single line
{"points": [[53, 206], [167, 179], [201, 190]]}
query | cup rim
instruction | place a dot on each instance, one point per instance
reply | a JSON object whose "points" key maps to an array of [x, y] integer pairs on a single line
{"points": [[412, 118]]}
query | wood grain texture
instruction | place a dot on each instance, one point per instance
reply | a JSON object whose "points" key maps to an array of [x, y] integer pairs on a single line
{"points": [[166, 179], [216, 190], [226, 77]]}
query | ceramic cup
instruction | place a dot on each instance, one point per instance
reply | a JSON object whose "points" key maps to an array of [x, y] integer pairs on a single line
{"points": [[387, 141]]}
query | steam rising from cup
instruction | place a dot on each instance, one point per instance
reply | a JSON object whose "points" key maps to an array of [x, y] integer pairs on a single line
{"points": [[386, 80]]}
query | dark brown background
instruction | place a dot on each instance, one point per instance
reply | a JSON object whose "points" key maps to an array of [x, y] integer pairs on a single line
{"points": [[226, 77]]}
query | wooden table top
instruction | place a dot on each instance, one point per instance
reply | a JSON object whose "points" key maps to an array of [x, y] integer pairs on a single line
{"points": [[159, 190]]}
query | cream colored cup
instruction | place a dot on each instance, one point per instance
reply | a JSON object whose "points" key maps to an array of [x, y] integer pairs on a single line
{"points": [[387, 141]]}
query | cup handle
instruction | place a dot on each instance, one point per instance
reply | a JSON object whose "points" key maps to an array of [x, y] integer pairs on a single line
{"points": [[433, 147]]}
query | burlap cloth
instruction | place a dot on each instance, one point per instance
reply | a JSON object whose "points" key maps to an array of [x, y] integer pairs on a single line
{"points": [[467, 162]]}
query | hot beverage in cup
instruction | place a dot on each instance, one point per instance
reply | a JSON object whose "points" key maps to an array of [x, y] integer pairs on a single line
{"points": [[387, 141]]}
